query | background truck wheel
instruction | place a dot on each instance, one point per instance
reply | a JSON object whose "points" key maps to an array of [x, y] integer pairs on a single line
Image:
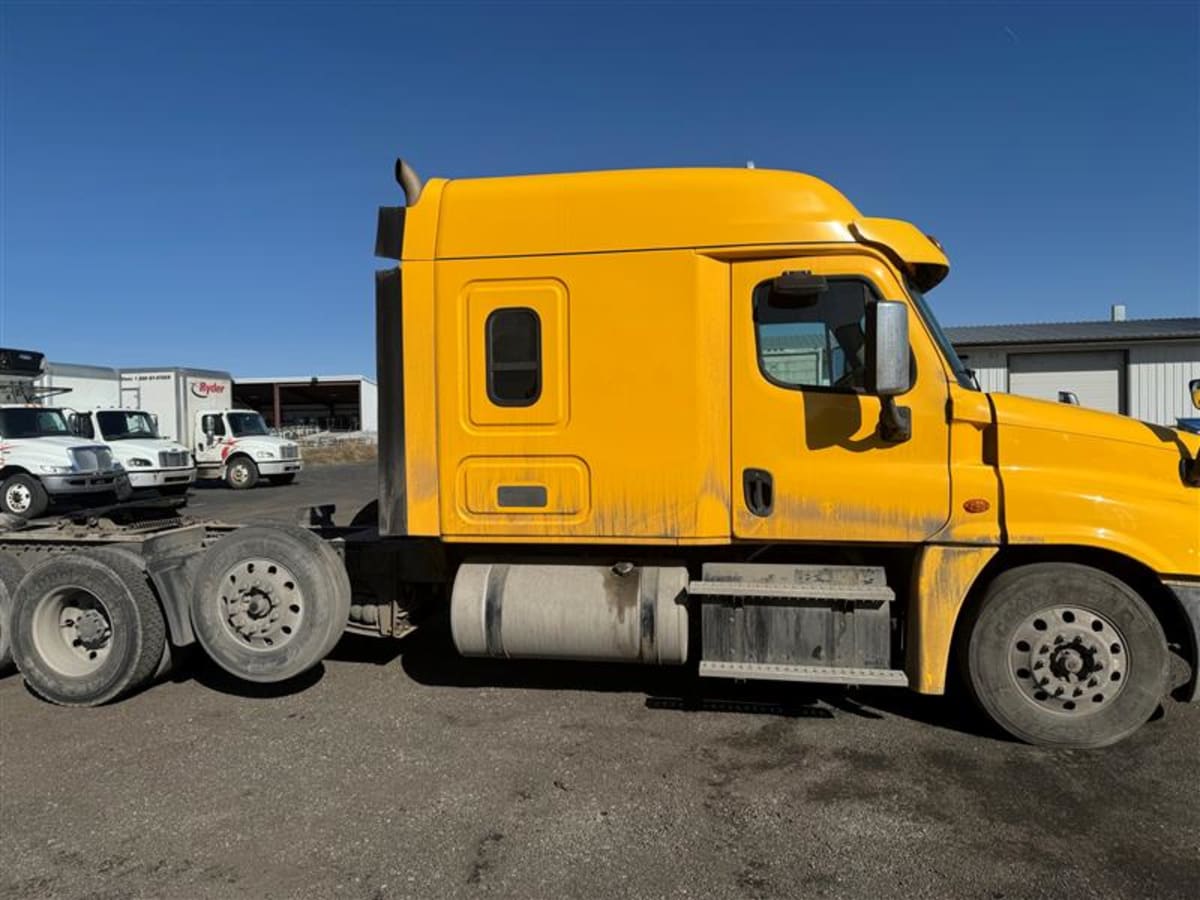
{"points": [[270, 601], [11, 573], [23, 495], [86, 628], [1063, 655], [241, 473], [282, 479]]}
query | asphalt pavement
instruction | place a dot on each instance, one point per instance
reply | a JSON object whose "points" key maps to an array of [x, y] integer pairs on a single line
{"points": [[402, 770]]}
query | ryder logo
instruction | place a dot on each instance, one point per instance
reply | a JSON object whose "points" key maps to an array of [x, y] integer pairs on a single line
{"points": [[206, 388]]}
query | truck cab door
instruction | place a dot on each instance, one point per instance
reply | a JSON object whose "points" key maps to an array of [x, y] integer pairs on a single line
{"points": [[809, 460], [210, 431]]}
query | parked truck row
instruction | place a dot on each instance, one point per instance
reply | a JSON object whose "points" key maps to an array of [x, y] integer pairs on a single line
{"points": [[697, 417], [85, 433]]}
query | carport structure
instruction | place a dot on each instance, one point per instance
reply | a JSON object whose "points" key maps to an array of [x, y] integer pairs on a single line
{"points": [[316, 402]]}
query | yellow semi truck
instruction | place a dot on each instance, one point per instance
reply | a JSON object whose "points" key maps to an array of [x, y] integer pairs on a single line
{"points": [[707, 417]]}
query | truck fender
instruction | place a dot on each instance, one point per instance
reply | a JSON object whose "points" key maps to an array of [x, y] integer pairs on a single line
{"points": [[172, 559], [942, 579]]}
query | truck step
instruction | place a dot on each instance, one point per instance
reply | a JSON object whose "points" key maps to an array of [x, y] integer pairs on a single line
{"points": [[862, 593], [812, 674], [861, 584]]}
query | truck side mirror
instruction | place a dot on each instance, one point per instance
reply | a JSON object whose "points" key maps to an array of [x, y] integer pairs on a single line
{"points": [[1194, 390], [889, 373], [1068, 397]]}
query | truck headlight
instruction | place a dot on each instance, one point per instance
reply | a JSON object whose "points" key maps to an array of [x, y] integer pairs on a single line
{"points": [[265, 454], [138, 463], [55, 470]]}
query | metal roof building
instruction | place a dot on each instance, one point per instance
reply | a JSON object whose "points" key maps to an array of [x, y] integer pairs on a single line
{"points": [[312, 402], [1139, 367]]}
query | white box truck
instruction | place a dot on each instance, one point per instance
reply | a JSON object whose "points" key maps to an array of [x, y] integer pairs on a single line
{"points": [[41, 460], [91, 398], [194, 408]]}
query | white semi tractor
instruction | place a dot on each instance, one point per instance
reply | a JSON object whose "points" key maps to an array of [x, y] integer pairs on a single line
{"points": [[194, 407], [94, 411], [41, 459]]}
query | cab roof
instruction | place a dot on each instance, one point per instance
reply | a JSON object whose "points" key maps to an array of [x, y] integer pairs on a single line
{"points": [[650, 209]]}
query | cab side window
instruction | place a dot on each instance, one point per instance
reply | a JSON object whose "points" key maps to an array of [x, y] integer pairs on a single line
{"points": [[213, 424], [816, 341], [514, 356]]}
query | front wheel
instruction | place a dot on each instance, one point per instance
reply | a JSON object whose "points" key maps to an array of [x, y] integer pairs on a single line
{"points": [[241, 473], [1064, 655], [23, 495]]}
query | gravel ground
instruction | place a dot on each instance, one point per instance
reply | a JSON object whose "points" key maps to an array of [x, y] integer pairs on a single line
{"points": [[401, 770]]}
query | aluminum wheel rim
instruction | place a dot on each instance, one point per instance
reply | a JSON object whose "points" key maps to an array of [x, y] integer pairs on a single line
{"points": [[262, 606], [72, 631], [1069, 660], [18, 498], [240, 473]]}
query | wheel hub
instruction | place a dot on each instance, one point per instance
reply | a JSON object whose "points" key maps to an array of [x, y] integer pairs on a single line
{"points": [[1069, 660], [18, 498], [261, 603], [72, 631], [92, 629]]}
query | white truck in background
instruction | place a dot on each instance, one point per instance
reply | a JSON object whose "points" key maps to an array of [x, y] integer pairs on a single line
{"points": [[94, 411], [194, 407], [40, 459]]}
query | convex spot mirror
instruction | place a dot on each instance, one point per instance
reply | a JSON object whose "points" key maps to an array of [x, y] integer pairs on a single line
{"points": [[1194, 390], [888, 371]]}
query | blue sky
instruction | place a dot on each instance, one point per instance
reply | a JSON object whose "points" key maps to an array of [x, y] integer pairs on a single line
{"points": [[196, 183]]}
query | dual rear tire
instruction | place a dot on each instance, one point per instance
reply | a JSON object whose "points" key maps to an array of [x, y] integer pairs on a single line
{"points": [[86, 628]]}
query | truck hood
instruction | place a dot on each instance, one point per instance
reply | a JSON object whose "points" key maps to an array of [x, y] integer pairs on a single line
{"points": [[258, 443], [30, 453], [146, 448], [1063, 418], [1079, 477]]}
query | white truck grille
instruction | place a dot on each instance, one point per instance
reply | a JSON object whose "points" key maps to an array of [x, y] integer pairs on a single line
{"points": [[92, 459], [289, 451], [174, 459]]}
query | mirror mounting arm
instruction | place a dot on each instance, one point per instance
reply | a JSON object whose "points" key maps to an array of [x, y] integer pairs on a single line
{"points": [[895, 422]]}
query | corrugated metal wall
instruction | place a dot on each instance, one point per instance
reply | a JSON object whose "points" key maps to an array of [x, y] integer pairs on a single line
{"points": [[1155, 381], [990, 367], [1158, 377]]}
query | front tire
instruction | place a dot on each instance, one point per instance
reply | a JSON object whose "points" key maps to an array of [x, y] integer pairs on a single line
{"points": [[270, 601], [1064, 655], [241, 473], [23, 495], [86, 628]]}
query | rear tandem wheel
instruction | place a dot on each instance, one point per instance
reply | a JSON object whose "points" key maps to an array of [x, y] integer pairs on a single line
{"points": [[86, 627]]}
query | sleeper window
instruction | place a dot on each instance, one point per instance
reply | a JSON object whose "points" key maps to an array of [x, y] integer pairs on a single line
{"points": [[818, 341], [514, 356]]}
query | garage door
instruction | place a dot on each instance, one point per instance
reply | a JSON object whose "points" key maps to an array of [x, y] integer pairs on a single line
{"points": [[1096, 377]]}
